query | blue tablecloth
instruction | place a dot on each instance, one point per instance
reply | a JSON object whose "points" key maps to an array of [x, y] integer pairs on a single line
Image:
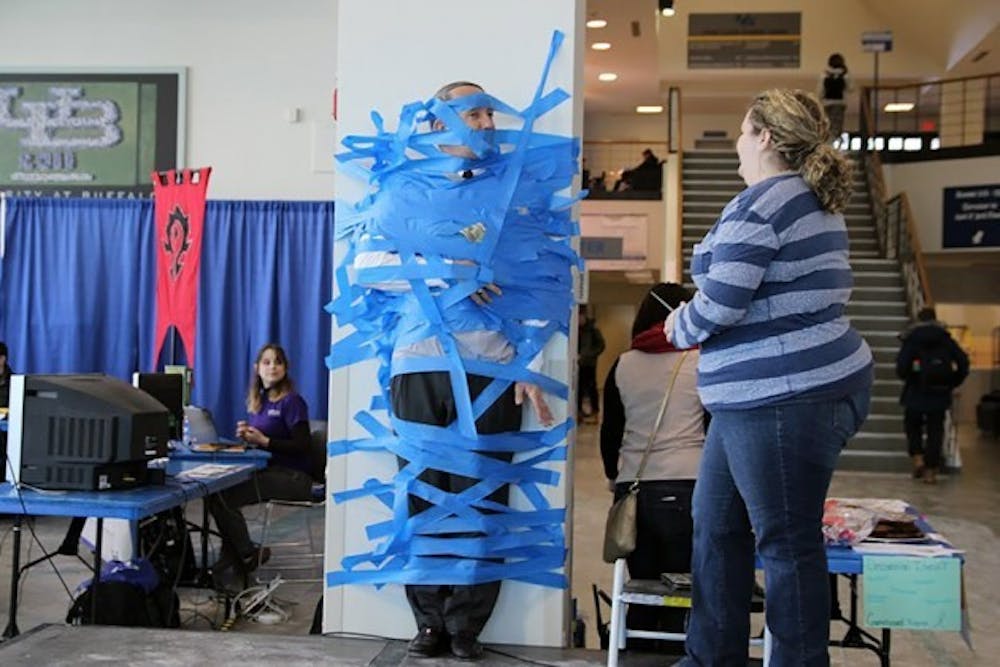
{"points": [[131, 504]]}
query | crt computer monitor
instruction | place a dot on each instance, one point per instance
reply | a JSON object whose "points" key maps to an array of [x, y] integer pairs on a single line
{"points": [[83, 432], [168, 389]]}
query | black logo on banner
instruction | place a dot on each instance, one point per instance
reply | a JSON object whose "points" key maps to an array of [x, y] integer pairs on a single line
{"points": [[177, 240]]}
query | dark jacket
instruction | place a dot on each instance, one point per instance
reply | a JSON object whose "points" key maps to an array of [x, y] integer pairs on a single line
{"points": [[917, 339], [591, 344], [5, 388]]}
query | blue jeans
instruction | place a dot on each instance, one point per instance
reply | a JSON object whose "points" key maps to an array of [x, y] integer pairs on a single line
{"points": [[764, 475]]}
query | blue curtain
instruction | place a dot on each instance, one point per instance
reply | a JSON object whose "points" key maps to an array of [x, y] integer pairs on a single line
{"points": [[77, 293], [74, 284], [266, 272]]}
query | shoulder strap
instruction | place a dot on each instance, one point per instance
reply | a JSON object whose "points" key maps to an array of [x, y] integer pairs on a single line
{"points": [[659, 418]]}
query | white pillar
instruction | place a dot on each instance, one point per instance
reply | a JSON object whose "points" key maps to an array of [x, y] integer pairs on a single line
{"points": [[390, 53]]}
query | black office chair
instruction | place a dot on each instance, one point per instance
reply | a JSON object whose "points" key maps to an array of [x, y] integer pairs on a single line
{"points": [[303, 555]]}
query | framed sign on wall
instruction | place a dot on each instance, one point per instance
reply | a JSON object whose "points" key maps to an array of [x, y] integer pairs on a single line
{"points": [[89, 133]]}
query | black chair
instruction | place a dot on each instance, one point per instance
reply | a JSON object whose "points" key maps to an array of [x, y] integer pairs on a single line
{"points": [[305, 554]]}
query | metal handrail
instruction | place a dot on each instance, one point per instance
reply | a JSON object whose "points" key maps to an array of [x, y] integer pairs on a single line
{"points": [[895, 227], [961, 111], [958, 79], [675, 146]]}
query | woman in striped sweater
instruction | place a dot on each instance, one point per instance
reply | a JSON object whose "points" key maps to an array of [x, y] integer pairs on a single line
{"points": [[786, 378]]}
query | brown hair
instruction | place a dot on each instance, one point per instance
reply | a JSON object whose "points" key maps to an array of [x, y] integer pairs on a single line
{"points": [[800, 134], [255, 392]]}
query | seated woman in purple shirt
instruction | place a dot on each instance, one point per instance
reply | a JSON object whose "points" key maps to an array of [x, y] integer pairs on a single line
{"points": [[278, 421]]}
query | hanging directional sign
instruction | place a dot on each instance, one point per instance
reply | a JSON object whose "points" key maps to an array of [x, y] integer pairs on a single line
{"points": [[879, 41]]}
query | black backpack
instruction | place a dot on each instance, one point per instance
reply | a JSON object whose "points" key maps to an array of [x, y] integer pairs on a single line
{"points": [[936, 366], [130, 594], [123, 603], [834, 86]]}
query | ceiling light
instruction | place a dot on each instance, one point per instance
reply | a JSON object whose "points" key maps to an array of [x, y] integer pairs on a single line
{"points": [[607, 76], [596, 23], [896, 107], [600, 46], [649, 108], [667, 7]]}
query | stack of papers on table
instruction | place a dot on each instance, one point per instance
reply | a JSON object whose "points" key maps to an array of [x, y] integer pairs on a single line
{"points": [[211, 470]]}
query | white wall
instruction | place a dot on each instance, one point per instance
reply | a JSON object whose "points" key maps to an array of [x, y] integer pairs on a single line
{"points": [[248, 61], [924, 182], [408, 63]]}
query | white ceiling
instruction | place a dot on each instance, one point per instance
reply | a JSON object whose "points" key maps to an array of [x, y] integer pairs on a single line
{"points": [[931, 40]]}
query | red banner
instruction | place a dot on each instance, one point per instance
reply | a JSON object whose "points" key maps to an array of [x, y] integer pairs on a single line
{"points": [[180, 217]]}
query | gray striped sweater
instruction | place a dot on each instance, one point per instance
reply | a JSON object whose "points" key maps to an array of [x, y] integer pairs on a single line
{"points": [[773, 279]]}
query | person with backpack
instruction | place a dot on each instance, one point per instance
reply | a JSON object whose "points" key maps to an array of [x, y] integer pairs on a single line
{"points": [[932, 365], [834, 86]]}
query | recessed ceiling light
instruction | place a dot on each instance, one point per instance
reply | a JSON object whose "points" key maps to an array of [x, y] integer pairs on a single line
{"points": [[600, 46], [607, 76], [649, 108], [896, 107], [667, 7], [596, 23]]}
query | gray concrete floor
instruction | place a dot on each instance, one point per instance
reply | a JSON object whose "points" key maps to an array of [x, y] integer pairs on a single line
{"points": [[962, 507]]}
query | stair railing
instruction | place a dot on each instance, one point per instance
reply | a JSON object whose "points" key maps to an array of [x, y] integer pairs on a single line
{"points": [[894, 224], [676, 153]]}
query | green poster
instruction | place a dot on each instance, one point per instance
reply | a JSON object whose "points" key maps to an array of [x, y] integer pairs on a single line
{"points": [[912, 592]]}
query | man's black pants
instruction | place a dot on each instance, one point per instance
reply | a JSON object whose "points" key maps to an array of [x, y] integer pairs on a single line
{"points": [[427, 398]]}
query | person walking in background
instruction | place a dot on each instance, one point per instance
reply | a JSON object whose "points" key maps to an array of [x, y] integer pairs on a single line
{"points": [[633, 394], [590, 345], [932, 365], [834, 86], [786, 378]]}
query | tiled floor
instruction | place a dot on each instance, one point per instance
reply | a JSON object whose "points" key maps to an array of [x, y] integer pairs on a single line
{"points": [[963, 507]]}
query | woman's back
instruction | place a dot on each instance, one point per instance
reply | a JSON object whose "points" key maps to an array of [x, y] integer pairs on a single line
{"points": [[642, 379]]}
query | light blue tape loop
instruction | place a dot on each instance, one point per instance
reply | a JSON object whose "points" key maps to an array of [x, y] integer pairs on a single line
{"points": [[501, 223]]}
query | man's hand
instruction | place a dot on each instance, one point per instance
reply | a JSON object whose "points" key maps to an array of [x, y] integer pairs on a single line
{"points": [[482, 295], [535, 397]]}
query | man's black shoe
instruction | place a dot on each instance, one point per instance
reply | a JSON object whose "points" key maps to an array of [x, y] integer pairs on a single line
{"points": [[428, 643], [465, 646]]}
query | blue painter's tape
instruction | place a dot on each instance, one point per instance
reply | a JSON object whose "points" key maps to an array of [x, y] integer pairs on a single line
{"points": [[503, 223]]}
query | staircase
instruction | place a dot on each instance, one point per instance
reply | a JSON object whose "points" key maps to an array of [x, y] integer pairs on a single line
{"points": [[877, 307]]}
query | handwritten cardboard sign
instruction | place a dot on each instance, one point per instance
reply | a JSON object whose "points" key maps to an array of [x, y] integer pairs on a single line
{"points": [[912, 592]]}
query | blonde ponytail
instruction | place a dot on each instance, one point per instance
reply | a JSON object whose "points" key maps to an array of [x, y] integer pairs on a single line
{"points": [[830, 175], [800, 133]]}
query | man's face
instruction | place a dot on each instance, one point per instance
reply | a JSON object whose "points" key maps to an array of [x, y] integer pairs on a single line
{"points": [[478, 118]]}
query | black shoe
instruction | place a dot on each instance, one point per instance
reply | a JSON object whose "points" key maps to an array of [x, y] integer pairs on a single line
{"points": [[428, 643], [465, 646], [247, 563]]}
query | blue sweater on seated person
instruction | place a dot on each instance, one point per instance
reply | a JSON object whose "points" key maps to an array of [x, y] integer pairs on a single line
{"points": [[773, 278]]}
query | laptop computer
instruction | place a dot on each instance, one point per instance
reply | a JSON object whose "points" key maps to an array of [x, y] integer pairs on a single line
{"points": [[201, 428]]}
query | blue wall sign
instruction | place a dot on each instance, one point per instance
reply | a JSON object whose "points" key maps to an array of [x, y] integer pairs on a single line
{"points": [[971, 216]]}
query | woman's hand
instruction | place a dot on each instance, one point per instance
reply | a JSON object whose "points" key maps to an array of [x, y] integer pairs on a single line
{"points": [[668, 325], [251, 435]]}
